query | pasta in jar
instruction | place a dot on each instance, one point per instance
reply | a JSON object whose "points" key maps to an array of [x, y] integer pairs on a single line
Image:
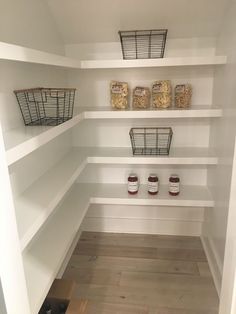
{"points": [[119, 95], [161, 94], [141, 98], [183, 95]]}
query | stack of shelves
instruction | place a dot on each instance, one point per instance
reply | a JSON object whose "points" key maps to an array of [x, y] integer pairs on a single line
{"points": [[51, 210]]}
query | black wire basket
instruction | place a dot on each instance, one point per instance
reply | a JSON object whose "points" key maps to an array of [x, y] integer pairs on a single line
{"points": [[147, 44], [46, 106], [151, 141]]}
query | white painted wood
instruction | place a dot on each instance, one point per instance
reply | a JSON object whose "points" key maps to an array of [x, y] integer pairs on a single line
{"points": [[177, 156], [69, 254], [145, 63], [146, 226], [11, 267], [35, 205], [228, 290], [38, 202], [23, 54], [22, 141], [45, 255], [197, 196], [213, 261], [193, 112]]}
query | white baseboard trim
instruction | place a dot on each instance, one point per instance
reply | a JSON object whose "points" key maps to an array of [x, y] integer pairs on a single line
{"points": [[214, 262], [69, 254], [144, 226]]}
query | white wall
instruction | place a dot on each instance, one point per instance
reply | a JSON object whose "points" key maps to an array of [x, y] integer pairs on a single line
{"points": [[99, 21], [30, 24], [222, 138]]}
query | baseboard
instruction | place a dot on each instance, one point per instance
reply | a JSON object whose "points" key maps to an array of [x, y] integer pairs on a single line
{"points": [[214, 262], [69, 254], [145, 226]]}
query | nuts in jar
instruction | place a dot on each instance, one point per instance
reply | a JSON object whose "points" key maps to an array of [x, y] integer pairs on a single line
{"points": [[183, 95], [133, 183], [174, 185], [119, 95], [153, 184], [141, 98], [161, 94]]}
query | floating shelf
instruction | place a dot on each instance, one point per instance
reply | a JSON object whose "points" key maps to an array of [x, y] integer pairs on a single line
{"points": [[23, 54], [22, 141], [44, 257], [38, 202], [198, 111], [145, 63], [116, 194], [177, 156]]}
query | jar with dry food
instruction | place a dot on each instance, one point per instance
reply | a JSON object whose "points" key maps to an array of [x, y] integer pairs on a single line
{"points": [[133, 184], [141, 98], [183, 95], [174, 185], [153, 184], [119, 95], [161, 94]]}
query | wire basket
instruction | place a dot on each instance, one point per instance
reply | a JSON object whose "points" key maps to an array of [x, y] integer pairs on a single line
{"points": [[46, 106], [148, 44], [151, 141]]}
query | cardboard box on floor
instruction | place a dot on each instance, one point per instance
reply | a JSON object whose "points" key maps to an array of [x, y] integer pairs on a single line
{"points": [[61, 291]]}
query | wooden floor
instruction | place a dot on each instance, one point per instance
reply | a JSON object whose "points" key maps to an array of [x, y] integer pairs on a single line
{"points": [[142, 274]]}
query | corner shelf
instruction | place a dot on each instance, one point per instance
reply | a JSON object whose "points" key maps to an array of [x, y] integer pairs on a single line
{"points": [[23, 54], [43, 258], [39, 201], [41, 263], [22, 141]]}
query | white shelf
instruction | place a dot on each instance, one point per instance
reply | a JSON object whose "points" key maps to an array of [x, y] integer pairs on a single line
{"points": [[37, 203], [44, 257], [23, 54], [116, 194], [22, 141], [198, 111], [177, 156], [162, 62]]}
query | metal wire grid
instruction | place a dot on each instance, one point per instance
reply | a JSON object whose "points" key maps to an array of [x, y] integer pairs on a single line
{"points": [[151, 141], [147, 44], [46, 106]]}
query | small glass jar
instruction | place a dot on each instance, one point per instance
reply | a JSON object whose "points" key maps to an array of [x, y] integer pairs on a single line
{"points": [[153, 184], [133, 183], [174, 185]]}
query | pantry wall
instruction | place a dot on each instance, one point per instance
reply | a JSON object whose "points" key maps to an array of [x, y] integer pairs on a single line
{"points": [[195, 137]]}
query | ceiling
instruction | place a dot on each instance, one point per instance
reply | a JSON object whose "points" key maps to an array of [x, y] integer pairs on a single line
{"points": [[89, 21]]}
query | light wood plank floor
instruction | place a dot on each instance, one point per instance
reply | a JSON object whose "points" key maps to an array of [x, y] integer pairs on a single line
{"points": [[142, 274]]}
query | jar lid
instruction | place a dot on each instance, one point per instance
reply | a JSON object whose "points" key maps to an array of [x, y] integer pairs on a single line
{"points": [[133, 175], [152, 175]]}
